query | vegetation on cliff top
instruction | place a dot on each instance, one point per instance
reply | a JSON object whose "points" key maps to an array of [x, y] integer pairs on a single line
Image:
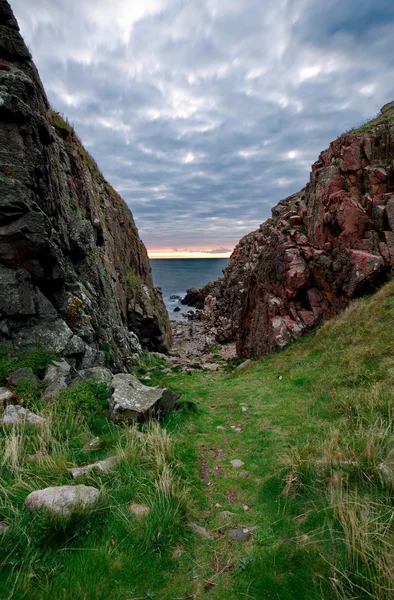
{"points": [[314, 427]]}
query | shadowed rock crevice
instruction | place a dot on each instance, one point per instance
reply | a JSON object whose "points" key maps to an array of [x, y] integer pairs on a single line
{"points": [[68, 242]]}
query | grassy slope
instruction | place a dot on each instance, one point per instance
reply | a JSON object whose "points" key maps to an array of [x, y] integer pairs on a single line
{"points": [[319, 448]]}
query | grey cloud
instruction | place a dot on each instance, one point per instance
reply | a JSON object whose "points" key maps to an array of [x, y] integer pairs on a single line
{"points": [[203, 115]]}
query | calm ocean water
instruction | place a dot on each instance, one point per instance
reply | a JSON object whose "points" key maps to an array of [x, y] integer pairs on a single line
{"points": [[176, 275]]}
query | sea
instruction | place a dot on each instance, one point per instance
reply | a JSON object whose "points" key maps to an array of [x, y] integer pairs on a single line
{"points": [[175, 275]]}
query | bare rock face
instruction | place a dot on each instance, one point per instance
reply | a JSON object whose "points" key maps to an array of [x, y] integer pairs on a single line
{"points": [[17, 415], [74, 273], [329, 243], [133, 401], [63, 500]]}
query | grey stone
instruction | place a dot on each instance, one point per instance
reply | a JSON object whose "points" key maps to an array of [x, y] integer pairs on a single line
{"points": [[93, 444], [52, 334], [201, 531], [16, 415], [63, 500], [240, 534], [5, 396], [226, 514], [3, 528], [75, 346], [89, 356], [236, 463], [102, 465], [23, 375], [246, 363], [98, 374], [17, 294], [131, 400], [57, 377], [220, 428], [139, 510], [210, 367], [244, 473]]}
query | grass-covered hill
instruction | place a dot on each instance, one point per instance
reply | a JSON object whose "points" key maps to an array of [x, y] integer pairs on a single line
{"points": [[314, 428]]}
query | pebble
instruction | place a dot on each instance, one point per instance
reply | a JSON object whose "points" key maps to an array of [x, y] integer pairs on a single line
{"points": [[244, 474], [245, 507], [236, 463], [220, 428], [226, 514], [280, 377], [244, 409]]}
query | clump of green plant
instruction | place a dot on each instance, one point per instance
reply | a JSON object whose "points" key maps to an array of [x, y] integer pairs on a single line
{"points": [[88, 401], [11, 359], [76, 312], [62, 126]]}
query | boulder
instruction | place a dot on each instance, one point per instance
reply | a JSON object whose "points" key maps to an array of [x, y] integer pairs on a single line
{"points": [[63, 500], [98, 374], [17, 415], [132, 401], [57, 377]]}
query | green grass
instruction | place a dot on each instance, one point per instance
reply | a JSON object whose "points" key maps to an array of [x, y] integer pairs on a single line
{"points": [[385, 119], [318, 446]]}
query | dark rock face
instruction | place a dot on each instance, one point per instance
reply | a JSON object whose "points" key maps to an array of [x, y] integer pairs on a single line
{"points": [[323, 246], [73, 271]]}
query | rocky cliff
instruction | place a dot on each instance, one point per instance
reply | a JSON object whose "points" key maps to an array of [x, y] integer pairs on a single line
{"points": [[74, 273], [329, 243]]}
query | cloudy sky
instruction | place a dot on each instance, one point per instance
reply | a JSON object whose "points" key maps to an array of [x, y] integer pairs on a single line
{"points": [[203, 114]]}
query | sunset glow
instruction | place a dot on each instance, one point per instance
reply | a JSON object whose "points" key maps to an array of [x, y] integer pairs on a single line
{"points": [[171, 253]]}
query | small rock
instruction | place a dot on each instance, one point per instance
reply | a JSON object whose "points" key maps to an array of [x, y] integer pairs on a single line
{"points": [[177, 309], [5, 396], [23, 375], [166, 371], [246, 363], [102, 465], [63, 500], [236, 463], [245, 507], [226, 514], [57, 377], [220, 428], [201, 531], [210, 367], [280, 377], [241, 534], [244, 409], [3, 528], [139, 510], [244, 474], [15, 415], [98, 374], [94, 443], [146, 378]]}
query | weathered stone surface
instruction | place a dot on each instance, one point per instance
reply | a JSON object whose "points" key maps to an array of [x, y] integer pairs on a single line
{"points": [[23, 375], [57, 377], [102, 465], [5, 396], [74, 273], [241, 534], [132, 401], [16, 415], [63, 500], [327, 244], [243, 365], [98, 374]]}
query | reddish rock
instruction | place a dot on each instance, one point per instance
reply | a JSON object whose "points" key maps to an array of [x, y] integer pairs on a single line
{"points": [[281, 281]]}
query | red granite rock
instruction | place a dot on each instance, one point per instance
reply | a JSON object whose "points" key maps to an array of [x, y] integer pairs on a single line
{"points": [[329, 243]]}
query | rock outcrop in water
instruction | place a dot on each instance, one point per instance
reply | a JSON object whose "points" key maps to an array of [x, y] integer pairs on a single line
{"points": [[329, 243], [74, 273]]}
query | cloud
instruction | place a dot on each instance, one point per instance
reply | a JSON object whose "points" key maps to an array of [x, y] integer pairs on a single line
{"points": [[203, 115]]}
